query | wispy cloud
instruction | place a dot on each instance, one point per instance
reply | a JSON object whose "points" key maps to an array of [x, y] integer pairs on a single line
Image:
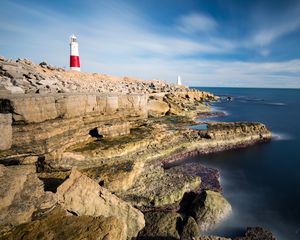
{"points": [[272, 27], [268, 35], [196, 22]]}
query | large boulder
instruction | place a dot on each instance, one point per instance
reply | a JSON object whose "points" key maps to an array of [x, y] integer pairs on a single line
{"points": [[21, 195], [82, 196], [209, 209], [161, 225], [6, 131], [59, 226], [157, 108]]}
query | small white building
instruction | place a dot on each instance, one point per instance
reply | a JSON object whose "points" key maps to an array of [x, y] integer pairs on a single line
{"points": [[179, 80]]}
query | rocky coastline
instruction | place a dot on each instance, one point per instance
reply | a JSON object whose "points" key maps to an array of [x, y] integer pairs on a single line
{"points": [[92, 156]]}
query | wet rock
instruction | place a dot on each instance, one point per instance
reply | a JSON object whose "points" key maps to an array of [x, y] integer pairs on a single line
{"points": [[21, 195], [161, 225], [83, 196], [57, 225], [209, 209], [257, 233], [6, 131]]}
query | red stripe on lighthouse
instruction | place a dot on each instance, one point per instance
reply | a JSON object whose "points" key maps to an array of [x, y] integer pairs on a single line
{"points": [[74, 61]]}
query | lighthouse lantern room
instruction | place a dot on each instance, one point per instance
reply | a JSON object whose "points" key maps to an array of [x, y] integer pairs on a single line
{"points": [[74, 54]]}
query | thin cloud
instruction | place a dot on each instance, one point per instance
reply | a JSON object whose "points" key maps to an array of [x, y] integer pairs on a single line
{"points": [[196, 22]]}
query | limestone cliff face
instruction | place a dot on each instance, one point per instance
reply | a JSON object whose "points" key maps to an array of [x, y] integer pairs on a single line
{"points": [[41, 123]]}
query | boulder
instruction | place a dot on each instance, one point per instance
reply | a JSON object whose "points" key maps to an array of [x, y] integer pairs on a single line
{"points": [[82, 196], [161, 225], [190, 229], [157, 108], [209, 209], [6, 131], [21, 195], [59, 226]]}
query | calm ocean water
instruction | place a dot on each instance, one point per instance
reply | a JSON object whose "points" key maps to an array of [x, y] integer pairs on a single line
{"points": [[261, 182]]}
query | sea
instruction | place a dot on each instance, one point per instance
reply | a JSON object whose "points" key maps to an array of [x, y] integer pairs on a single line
{"points": [[262, 182]]}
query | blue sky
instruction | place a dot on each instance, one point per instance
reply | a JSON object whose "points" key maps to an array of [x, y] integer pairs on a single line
{"points": [[209, 43]]}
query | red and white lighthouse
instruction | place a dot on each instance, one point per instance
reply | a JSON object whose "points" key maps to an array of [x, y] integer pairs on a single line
{"points": [[74, 54]]}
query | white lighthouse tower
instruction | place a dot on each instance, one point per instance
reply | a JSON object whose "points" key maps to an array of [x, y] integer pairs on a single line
{"points": [[74, 54], [179, 80]]}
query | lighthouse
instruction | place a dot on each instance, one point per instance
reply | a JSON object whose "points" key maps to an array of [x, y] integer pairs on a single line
{"points": [[179, 81], [74, 54]]}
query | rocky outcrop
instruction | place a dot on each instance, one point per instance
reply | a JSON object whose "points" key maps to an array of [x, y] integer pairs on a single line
{"points": [[6, 131], [57, 225], [22, 195], [82, 196], [209, 209]]}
